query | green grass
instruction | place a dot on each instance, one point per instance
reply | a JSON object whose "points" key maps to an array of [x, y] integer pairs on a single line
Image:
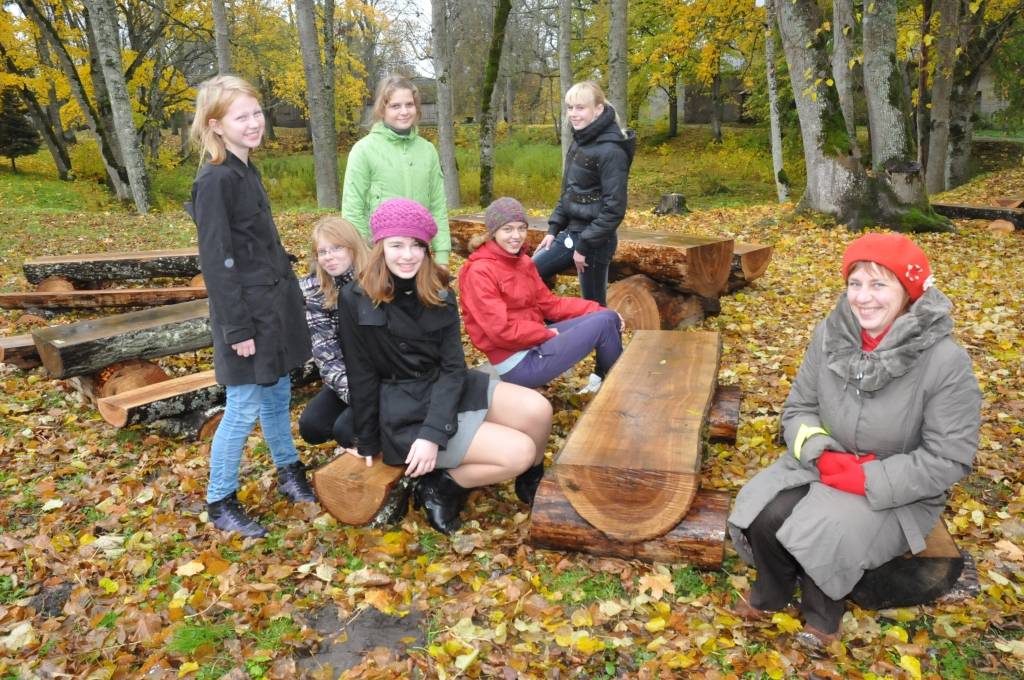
{"points": [[583, 586], [272, 637], [9, 592], [190, 637]]}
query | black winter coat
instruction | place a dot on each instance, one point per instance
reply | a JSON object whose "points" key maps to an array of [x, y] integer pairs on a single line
{"points": [[407, 376], [593, 200], [252, 289]]}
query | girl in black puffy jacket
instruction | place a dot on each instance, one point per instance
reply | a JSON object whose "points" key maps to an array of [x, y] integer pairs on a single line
{"points": [[582, 228]]}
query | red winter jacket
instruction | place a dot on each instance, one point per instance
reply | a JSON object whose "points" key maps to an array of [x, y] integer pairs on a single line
{"points": [[505, 304]]}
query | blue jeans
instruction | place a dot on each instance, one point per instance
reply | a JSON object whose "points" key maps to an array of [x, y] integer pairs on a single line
{"points": [[597, 331], [245, 404], [558, 258]]}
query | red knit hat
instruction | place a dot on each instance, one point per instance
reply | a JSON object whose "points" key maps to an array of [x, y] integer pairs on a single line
{"points": [[402, 217], [898, 254]]}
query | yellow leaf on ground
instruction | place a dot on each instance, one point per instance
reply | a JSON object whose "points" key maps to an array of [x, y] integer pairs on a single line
{"points": [[899, 633], [186, 668], [911, 665], [190, 569], [109, 587], [785, 622]]}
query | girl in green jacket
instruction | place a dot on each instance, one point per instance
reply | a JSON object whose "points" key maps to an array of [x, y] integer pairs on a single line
{"points": [[393, 161]]}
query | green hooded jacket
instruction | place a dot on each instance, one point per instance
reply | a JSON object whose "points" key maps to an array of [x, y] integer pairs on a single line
{"points": [[385, 164]]}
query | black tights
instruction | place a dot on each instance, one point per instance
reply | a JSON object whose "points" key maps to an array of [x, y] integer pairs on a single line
{"points": [[327, 417], [778, 572]]}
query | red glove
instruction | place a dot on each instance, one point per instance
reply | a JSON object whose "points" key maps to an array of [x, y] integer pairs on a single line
{"points": [[833, 462], [843, 471]]}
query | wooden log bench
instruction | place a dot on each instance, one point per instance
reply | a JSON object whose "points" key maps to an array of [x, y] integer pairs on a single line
{"points": [[109, 297], [88, 267], [88, 346], [358, 495], [629, 473], [19, 350], [911, 579], [1015, 215]]}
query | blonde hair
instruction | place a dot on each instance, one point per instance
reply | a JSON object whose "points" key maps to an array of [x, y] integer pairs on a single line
{"points": [[387, 88], [587, 92], [214, 98], [376, 281], [338, 232]]}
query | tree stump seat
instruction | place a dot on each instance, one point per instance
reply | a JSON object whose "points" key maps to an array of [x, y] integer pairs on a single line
{"points": [[627, 481], [88, 267], [358, 495]]}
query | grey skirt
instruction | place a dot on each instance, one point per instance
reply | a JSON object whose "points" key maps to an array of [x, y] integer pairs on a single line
{"points": [[469, 422]]}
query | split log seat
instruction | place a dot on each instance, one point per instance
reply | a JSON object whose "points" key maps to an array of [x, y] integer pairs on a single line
{"points": [[87, 346], [911, 579], [19, 350], [629, 473], [82, 268], [166, 399], [109, 297], [981, 212], [358, 495]]}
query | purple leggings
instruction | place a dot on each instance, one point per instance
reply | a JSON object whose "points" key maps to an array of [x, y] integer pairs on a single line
{"points": [[576, 339]]}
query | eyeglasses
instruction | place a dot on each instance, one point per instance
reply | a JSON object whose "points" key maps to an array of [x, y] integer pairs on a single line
{"points": [[333, 250]]}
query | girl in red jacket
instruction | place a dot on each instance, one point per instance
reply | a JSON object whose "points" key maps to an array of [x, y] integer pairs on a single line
{"points": [[506, 307]]}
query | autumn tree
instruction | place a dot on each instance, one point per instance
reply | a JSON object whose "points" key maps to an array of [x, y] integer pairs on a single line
{"points": [[441, 38], [17, 136], [486, 109], [221, 34]]}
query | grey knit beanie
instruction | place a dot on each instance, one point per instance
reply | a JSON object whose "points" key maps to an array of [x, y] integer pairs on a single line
{"points": [[500, 212]]}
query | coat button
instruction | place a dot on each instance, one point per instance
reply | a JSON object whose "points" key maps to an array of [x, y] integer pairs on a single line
{"points": [[448, 428], [403, 346]]}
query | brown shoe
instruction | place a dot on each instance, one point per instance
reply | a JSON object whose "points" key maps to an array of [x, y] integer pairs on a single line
{"points": [[743, 609], [816, 640]]}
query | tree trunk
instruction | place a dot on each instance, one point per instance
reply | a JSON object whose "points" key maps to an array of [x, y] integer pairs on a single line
{"points": [[358, 495], [781, 180], [445, 114], [922, 114], [108, 297], [86, 267], [486, 95], [104, 25], [646, 305], [166, 399], [942, 91], [104, 136], [320, 100], [221, 37], [565, 68], [716, 108], [843, 28], [618, 57], [961, 128], [883, 85], [673, 109]]}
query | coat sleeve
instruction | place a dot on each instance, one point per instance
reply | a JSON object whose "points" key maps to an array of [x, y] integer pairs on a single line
{"points": [[614, 173], [446, 393], [217, 257], [323, 335], [363, 381], [441, 244], [559, 219], [482, 298], [806, 436], [949, 440], [355, 203]]}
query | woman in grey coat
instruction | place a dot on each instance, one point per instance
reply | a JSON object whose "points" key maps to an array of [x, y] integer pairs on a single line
{"points": [[881, 421]]}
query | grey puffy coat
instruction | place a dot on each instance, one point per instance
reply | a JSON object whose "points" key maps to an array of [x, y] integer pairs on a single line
{"points": [[914, 402]]}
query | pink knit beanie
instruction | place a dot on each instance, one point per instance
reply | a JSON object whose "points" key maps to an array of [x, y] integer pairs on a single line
{"points": [[402, 217]]}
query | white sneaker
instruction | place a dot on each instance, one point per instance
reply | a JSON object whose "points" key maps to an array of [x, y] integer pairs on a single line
{"points": [[592, 386]]}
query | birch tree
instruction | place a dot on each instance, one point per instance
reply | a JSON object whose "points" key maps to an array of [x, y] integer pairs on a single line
{"points": [[445, 114], [565, 68], [781, 181], [221, 37], [320, 98], [618, 57], [486, 105]]}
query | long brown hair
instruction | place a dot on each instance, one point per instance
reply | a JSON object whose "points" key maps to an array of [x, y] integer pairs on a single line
{"points": [[386, 88], [336, 231], [213, 100], [375, 278]]}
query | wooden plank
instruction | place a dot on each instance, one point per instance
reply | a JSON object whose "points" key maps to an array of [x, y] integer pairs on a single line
{"points": [[631, 465], [87, 346], [981, 212], [698, 539], [359, 495], [19, 350], [109, 297], [689, 264], [749, 262], [911, 579], [114, 265], [166, 399], [724, 417]]}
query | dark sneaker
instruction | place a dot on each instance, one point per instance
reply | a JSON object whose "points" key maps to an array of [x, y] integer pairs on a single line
{"points": [[227, 515], [293, 485]]}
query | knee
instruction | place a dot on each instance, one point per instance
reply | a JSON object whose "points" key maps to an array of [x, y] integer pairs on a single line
{"points": [[538, 408], [309, 429], [521, 454]]}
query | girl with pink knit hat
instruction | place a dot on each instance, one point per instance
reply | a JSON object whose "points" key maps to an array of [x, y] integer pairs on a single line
{"points": [[415, 403]]}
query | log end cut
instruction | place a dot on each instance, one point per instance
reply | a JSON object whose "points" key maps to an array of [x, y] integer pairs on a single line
{"points": [[625, 504], [351, 492]]}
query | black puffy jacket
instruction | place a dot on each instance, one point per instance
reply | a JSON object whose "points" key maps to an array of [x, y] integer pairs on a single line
{"points": [[593, 200]]}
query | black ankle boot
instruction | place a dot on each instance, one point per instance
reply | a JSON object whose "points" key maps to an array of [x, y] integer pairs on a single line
{"points": [[527, 483], [442, 499], [227, 515], [292, 483]]}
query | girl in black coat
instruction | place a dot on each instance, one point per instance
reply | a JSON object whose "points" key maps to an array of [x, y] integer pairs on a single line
{"points": [[259, 330], [413, 398], [582, 228]]}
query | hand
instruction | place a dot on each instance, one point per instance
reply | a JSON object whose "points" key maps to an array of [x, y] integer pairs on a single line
{"points": [[835, 462], [553, 330], [580, 261], [422, 458], [246, 348], [850, 480], [354, 452], [546, 242]]}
